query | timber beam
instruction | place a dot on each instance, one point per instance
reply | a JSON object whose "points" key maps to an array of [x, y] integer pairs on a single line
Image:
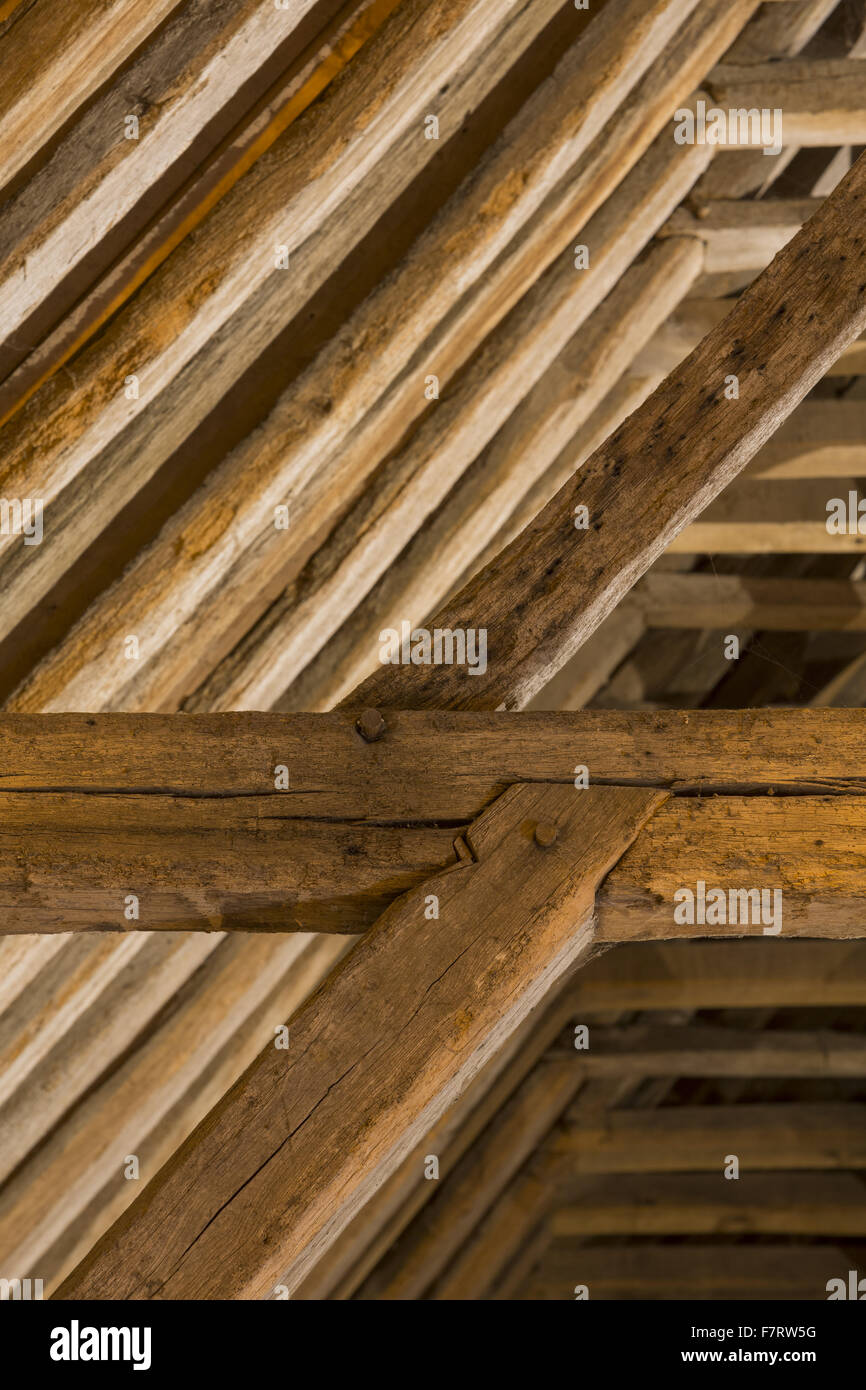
{"points": [[375, 1057], [319, 822]]}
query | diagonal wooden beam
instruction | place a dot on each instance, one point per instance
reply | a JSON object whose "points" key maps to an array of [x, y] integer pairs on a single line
{"points": [[374, 1058], [547, 592]]}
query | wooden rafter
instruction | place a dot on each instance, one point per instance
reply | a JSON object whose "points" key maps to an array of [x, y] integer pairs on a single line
{"points": [[777, 342]]}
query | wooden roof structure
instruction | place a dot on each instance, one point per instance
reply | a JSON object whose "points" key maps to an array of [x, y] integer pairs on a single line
{"points": [[324, 318]]}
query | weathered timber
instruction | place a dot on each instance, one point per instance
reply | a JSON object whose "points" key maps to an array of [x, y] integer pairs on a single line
{"points": [[806, 855], [120, 863], [427, 766], [544, 595], [203, 579], [375, 1058]]}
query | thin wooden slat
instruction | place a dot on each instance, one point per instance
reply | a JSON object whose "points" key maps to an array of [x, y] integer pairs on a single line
{"points": [[762, 516], [760, 972], [56, 56], [783, 332], [60, 1033], [823, 102], [150, 242], [190, 73], [820, 439], [422, 575], [741, 235], [376, 1057], [525, 1204], [695, 318], [146, 1101]]}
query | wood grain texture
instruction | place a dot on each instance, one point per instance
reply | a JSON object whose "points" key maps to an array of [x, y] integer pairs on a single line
{"points": [[375, 1058], [415, 1261], [180, 90], [813, 851], [54, 1207], [758, 972], [823, 102], [54, 57], [788, 326], [499, 481], [728, 601], [427, 766], [70, 862]]}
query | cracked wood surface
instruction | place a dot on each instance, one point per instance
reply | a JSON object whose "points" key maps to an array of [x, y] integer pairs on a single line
{"points": [[183, 813], [429, 765], [265, 1184]]}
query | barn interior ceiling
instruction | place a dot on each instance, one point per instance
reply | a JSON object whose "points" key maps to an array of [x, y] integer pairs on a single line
{"points": [[329, 323]]}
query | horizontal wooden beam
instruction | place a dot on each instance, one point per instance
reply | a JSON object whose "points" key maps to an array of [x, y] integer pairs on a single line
{"points": [[739, 234], [684, 1138], [731, 601], [689, 1272], [695, 318], [374, 1059], [781, 1204], [760, 516], [822, 102], [143, 863], [263, 822], [822, 439], [804, 857], [761, 972], [427, 766], [653, 1049]]}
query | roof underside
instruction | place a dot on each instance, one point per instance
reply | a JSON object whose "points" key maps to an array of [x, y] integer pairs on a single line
{"points": [[305, 315]]}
